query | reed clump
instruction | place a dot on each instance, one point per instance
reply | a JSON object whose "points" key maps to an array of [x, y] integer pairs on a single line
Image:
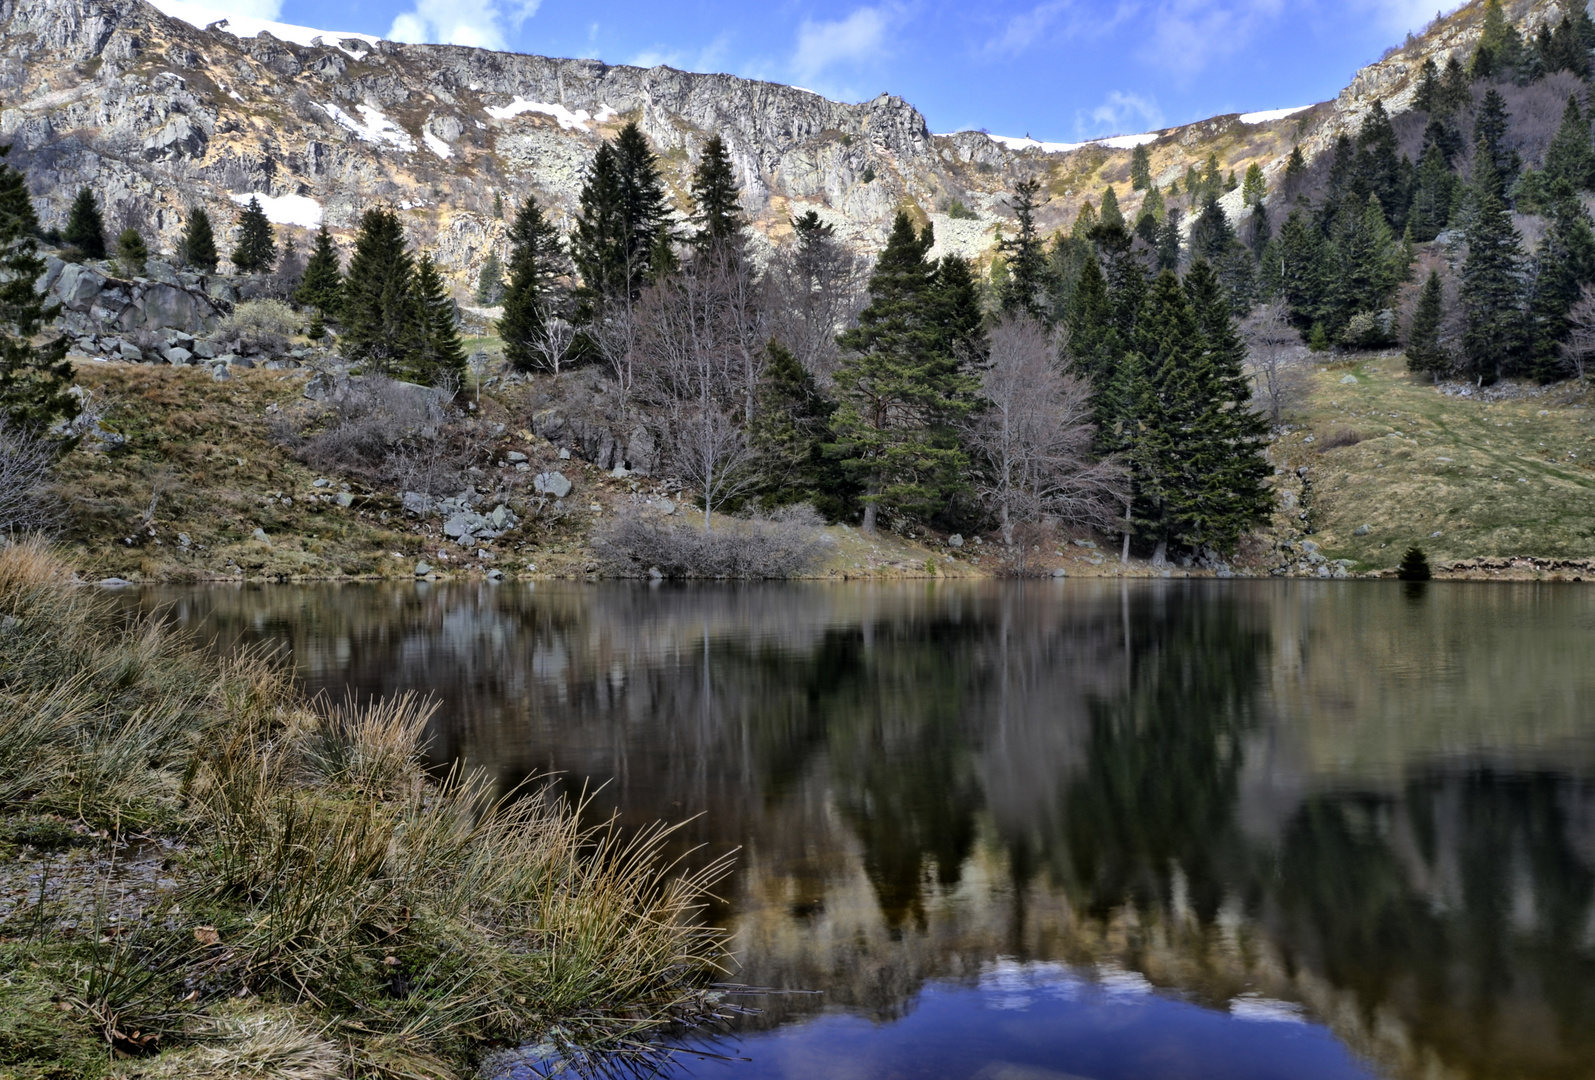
{"points": [[326, 907]]}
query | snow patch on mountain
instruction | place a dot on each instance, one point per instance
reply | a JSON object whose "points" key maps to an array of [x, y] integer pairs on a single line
{"points": [[437, 145], [375, 128], [244, 26], [1115, 142], [569, 121], [1271, 114], [284, 209]]}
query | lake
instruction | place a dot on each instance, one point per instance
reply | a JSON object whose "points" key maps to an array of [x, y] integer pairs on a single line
{"points": [[1059, 829]]}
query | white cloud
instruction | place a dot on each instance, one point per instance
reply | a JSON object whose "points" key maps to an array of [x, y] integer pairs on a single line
{"points": [[1120, 113], [712, 57], [479, 23], [824, 45], [248, 9], [1187, 36]]}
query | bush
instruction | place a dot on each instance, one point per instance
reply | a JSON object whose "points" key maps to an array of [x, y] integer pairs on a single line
{"points": [[259, 326], [27, 504], [1414, 565], [1340, 437], [784, 546]]}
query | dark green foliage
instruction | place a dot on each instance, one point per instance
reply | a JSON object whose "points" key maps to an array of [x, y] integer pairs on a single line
{"points": [[382, 328], [1366, 266], [498, 206], [1455, 93], [716, 197], [85, 227], [1571, 156], [1567, 47], [535, 292], [438, 358], [1168, 241], [1491, 278], [197, 247], [322, 284], [1254, 189], [131, 252], [1094, 341], [791, 427], [902, 384], [1140, 168], [1564, 264], [1154, 205], [1213, 239], [490, 281], [1490, 127], [1110, 216], [1428, 96], [1295, 169], [257, 240], [1425, 354], [1414, 565], [1377, 168], [1303, 278], [318, 326], [620, 228], [1500, 51], [1025, 289], [34, 377], [1431, 200]]}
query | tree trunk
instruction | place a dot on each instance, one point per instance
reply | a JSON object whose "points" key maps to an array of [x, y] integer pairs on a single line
{"points": [[1124, 557], [870, 510], [1160, 556]]}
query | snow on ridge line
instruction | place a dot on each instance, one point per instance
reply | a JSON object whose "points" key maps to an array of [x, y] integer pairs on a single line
{"points": [[284, 209], [568, 121], [1271, 114], [1116, 142], [200, 15]]}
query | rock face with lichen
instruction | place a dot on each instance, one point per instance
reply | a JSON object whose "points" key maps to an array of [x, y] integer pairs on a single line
{"points": [[157, 116]]}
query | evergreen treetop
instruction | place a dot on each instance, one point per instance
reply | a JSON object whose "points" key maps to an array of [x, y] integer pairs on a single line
{"points": [[1491, 277], [1571, 156], [132, 254], [1254, 188], [197, 247], [85, 227], [35, 377], [382, 325], [321, 287], [490, 281], [1424, 351], [621, 226], [1140, 168], [257, 240], [1110, 216], [1025, 289], [438, 358], [534, 293], [716, 197]]}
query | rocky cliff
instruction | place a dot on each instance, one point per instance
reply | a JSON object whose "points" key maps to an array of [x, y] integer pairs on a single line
{"points": [[157, 115]]}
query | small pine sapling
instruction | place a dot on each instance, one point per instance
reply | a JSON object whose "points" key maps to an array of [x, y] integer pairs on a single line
{"points": [[1414, 565]]}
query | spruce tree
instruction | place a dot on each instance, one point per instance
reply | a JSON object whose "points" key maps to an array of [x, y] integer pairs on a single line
{"points": [[1154, 204], [1500, 48], [1431, 200], [498, 206], [1254, 189], [1425, 354], [1304, 277], [197, 247], [438, 358], [1455, 93], [257, 240], [1490, 128], [1571, 156], [1377, 170], [1491, 278], [35, 376], [1367, 265], [1085, 222], [1025, 289], [321, 287], [1110, 215], [1140, 168], [620, 230], [716, 198], [1563, 265], [382, 325], [132, 254], [490, 281], [791, 427], [1094, 343], [1414, 565], [534, 293], [1213, 239], [1168, 241], [1428, 96], [85, 227], [901, 385], [318, 326], [1295, 168]]}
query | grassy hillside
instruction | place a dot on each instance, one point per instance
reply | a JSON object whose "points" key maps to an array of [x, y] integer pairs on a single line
{"points": [[1509, 471]]}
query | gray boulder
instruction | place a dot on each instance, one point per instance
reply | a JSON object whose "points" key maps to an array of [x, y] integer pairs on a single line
{"points": [[552, 483], [178, 355]]}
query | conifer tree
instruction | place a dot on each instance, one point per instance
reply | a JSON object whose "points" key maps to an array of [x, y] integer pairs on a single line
{"points": [[534, 294], [1085, 222], [1564, 264], [1254, 188], [321, 287], [620, 230], [1455, 93], [1295, 166], [1140, 168], [1303, 276], [1259, 231], [1500, 48], [1571, 156], [257, 241], [1168, 241], [132, 254], [716, 197], [490, 281], [1154, 204], [1490, 127], [1428, 96], [197, 247], [901, 384], [498, 206], [1110, 215], [1367, 265], [318, 326], [382, 325], [1093, 341], [791, 427], [438, 358], [1414, 565], [85, 227], [1213, 239], [1425, 354], [35, 376], [1431, 200], [1491, 289], [1025, 288], [1378, 167]]}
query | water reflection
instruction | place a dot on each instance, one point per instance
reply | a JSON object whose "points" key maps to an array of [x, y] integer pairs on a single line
{"points": [[1374, 804]]}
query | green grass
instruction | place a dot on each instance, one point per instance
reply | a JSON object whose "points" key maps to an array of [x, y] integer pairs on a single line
{"points": [[1493, 479]]}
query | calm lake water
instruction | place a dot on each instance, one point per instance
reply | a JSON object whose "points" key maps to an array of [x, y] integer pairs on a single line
{"points": [[1145, 830]]}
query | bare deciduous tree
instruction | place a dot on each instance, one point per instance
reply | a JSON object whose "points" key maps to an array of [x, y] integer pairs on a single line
{"points": [[1034, 438], [1579, 348], [710, 451], [26, 503], [1277, 358], [815, 288], [552, 344]]}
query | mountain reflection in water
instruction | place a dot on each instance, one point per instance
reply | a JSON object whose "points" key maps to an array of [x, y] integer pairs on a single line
{"points": [[1374, 806]]}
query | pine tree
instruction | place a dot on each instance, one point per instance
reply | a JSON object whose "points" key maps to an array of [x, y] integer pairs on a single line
{"points": [[197, 247], [1140, 168], [1571, 156], [901, 384], [132, 254], [1213, 239], [1154, 204], [1455, 93], [382, 326], [1366, 266], [1491, 289], [1025, 289], [1378, 166], [534, 293], [85, 227], [1254, 189], [1259, 231], [490, 281], [498, 206], [1431, 201], [1168, 242], [318, 326], [257, 240], [1303, 275], [643, 199], [1094, 344], [1564, 264], [1500, 48], [791, 427], [35, 377], [1110, 216], [1414, 565], [1085, 222], [1295, 168], [620, 231], [716, 197], [1425, 354], [321, 287], [438, 358], [1428, 96], [1490, 127]]}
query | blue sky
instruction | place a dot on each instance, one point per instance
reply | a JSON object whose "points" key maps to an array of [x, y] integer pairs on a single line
{"points": [[1053, 69]]}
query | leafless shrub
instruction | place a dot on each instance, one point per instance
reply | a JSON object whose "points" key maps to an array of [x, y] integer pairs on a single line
{"points": [[1340, 437], [1034, 438], [1278, 361], [257, 326], [789, 544], [27, 503], [1579, 348]]}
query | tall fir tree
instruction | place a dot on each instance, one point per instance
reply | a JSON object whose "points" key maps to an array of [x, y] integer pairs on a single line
{"points": [[35, 375], [716, 198], [1303, 276], [1571, 156], [438, 358], [1140, 168], [257, 240], [1168, 241], [621, 224], [382, 325], [1025, 289], [1455, 92], [1378, 168], [1154, 204], [1493, 336], [1428, 96], [1213, 239], [1431, 199], [490, 281], [902, 385], [1563, 265], [1254, 189], [1366, 264], [197, 246], [322, 284], [1490, 127], [535, 292], [85, 226], [132, 253], [1500, 48], [1425, 354], [790, 430], [1110, 215]]}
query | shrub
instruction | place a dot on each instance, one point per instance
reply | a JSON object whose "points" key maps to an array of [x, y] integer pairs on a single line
{"points": [[786, 545], [1414, 565], [262, 326], [1340, 437], [27, 503]]}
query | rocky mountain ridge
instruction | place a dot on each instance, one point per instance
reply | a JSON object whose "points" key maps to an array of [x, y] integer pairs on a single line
{"points": [[156, 115]]}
